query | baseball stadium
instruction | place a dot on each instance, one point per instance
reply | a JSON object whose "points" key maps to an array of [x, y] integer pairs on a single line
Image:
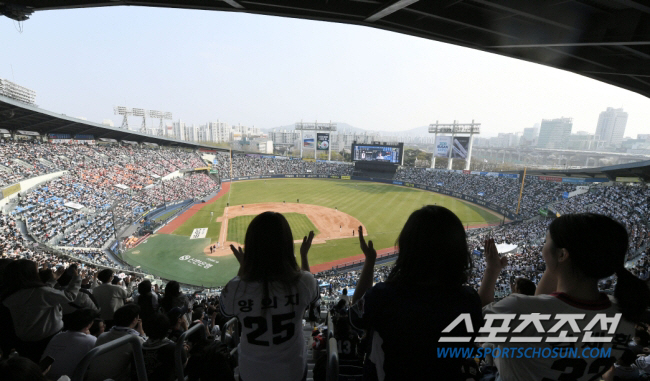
{"points": [[333, 209], [178, 252]]}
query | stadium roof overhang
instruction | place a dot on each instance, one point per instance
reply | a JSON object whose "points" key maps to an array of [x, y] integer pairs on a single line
{"points": [[607, 40], [640, 169], [15, 115]]}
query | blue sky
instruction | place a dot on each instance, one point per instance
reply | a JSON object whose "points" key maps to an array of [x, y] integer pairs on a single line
{"points": [[270, 71]]}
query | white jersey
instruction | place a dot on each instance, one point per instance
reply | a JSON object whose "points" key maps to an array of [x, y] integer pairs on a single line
{"points": [[272, 342], [558, 368]]}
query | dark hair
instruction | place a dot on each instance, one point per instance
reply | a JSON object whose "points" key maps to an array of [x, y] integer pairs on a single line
{"points": [[81, 318], [20, 274], [3, 264], [20, 368], [94, 329], [158, 326], [105, 275], [145, 299], [433, 250], [197, 313], [525, 286], [172, 290], [45, 275], [597, 246], [66, 277], [627, 358], [345, 291], [125, 315], [269, 253]]}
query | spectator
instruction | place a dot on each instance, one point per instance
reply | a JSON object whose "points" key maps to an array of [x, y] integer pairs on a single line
{"points": [[85, 298], [97, 328], [580, 249], [110, 297], [148, 302], [117, 363], [345, 297], [159, 351], [174, 297], [425, 289], [8, 337], [271, 291], [69, 347], [523, 286], [20, 369], [34, 306], [178, 320]]}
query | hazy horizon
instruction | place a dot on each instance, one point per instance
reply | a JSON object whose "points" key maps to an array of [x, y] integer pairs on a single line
{"points": [[271, 71]]}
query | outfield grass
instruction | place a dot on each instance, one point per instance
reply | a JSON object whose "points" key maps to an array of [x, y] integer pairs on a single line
{"points": [[300, 225], [382, 208], [162, 253]]}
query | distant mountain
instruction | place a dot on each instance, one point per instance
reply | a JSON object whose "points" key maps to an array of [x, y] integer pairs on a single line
{"points": [[346, 128]]}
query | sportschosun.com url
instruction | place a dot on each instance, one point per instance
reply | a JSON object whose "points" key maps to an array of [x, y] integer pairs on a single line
{"points": [[524, 353]]}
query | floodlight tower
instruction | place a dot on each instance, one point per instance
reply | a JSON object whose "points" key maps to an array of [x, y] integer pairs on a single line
{"points": [[140, 112], [162, 115], [125, 112]]}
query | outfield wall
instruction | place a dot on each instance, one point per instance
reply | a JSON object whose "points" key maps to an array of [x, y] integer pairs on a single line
{"points": [[489, 205]]}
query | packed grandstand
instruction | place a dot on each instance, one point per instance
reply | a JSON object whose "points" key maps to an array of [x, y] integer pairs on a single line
{"points": [[98, 190]]}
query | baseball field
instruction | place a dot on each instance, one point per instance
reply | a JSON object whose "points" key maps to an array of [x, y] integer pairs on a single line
{"points": [[332, 208]]}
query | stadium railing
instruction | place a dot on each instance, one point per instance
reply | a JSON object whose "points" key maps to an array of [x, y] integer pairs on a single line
{"points": [[235, 336], [332, 373], [136, 345], [357, 263], [178, 353]]}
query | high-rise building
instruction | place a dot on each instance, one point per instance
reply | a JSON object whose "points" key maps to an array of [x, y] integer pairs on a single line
{"points": [[178, 130], [554, 133], [529, 138], [611, 126], [17, 92]]}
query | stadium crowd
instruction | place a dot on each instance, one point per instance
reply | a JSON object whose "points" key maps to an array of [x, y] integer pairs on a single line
{"points": [[79, 306], [628, 204], [254, 165], [501, 191]]}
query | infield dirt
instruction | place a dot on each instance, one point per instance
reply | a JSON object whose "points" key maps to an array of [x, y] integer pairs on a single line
{"points": [[331, 223]]}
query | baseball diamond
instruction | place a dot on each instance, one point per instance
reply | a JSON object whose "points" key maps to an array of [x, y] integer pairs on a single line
{"points": [[333, 208]]}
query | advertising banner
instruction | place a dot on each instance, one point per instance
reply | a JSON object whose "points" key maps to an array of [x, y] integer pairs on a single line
{"points": [[443, 144], [323, 141], [459, 149], [308, 140], [8, 191]]}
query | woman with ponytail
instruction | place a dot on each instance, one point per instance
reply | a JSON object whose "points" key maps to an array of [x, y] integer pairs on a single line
{"points": [[580, 249]]}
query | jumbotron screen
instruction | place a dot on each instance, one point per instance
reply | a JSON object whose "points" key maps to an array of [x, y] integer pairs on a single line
{"points": [[386, 154]]}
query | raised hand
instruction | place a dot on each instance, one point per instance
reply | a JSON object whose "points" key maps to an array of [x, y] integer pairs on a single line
{"points": [[368, 250], [239, 253], [306, 244], [57, 274], [492, 259]]}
